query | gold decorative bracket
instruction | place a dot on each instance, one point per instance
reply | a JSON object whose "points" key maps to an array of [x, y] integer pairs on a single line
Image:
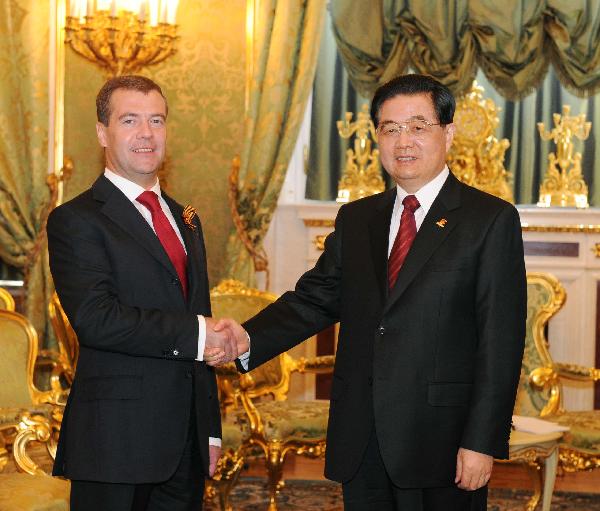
{"points": [[563, 184], [362, 173]]}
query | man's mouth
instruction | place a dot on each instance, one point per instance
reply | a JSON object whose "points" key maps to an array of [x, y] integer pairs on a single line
{"points": [[405, 158], [143, 150]]}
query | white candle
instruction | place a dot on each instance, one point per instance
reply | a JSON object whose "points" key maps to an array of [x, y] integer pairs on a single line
{"points": [[143, 6], [113, 8], [153, 12], [163, 11], [90, 8], [172, 11]]}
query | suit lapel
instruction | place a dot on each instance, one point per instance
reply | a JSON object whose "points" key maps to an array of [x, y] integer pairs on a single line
{"points": [[379, 230], [429, 237], [190, 239], [119, 209]]}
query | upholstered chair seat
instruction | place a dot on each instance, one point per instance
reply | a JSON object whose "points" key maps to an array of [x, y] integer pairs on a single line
{"points": [[294, 421], [31, 488], [584, 430], [24, 492]]}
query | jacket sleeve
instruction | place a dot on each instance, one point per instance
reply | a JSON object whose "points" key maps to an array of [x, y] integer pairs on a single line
{"points": [[85, 284], [299, 314], [501, 308]]}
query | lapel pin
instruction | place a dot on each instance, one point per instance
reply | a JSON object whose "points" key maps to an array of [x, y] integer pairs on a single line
{"points": [[188, 217], [441, 222]]}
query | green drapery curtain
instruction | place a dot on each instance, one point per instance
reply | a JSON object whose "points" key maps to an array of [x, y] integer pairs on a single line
{"points": [[287, 40], [24, 195], [511, 41], [333, 96], [526, 158]]}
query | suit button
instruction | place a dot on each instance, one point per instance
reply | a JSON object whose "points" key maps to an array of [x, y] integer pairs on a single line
{"points": [[381, 330], [188, 374], [370, 381], [175, 352], [174, 281]]}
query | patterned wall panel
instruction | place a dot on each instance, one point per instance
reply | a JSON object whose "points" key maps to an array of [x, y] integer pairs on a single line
{"points": [[204, 83]]}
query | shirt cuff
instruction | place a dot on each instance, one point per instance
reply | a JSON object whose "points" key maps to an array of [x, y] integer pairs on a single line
{"points": [[214, 441], [201, 339], [244, 358]]}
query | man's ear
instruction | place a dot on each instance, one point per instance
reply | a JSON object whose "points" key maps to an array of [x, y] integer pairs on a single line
{"points": [[450, 130], [101, 132]]}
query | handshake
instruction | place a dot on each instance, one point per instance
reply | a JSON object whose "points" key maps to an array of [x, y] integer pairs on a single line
{"points": [[226, 340]]}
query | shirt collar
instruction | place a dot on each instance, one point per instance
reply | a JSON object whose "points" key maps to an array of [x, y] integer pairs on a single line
{"points": [[427, 193], [130, 189]]}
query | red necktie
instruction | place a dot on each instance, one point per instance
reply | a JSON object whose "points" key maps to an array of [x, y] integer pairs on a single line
{"points": [[404, 239], [166, 235]]}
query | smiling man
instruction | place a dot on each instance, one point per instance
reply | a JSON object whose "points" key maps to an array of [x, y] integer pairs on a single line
{"points": [[427, 281], [141, 429]]}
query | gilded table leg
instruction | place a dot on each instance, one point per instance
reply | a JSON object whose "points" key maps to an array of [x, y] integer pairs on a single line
{"points": [[549, 477], [535, 472]]}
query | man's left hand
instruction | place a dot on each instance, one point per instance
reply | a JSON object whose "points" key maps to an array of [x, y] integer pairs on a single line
{"points": [[473, 469], [214, 453]]}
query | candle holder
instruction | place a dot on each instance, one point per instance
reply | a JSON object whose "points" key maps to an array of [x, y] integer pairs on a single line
{"points": [[121, 39]]}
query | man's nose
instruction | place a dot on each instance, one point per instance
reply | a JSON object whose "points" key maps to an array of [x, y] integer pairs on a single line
{"points": [[145, 130], [404, 139]]}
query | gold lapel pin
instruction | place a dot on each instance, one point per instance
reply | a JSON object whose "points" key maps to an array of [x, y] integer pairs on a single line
{"points": [[441, 222], [188, 217]]}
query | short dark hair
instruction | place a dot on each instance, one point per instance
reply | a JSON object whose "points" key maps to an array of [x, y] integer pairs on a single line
{"points": [[129, 82], [411, 84]]}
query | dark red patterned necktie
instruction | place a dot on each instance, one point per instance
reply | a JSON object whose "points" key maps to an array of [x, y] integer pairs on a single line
{"points": [[166, 235], [404, 239]]}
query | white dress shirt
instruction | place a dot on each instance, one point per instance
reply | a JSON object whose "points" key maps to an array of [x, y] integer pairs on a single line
{"points": [[425, 195], [132, 191]]}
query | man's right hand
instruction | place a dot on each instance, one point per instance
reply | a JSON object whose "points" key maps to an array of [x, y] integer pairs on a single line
{"points": [[235, 334], [220, 346]]}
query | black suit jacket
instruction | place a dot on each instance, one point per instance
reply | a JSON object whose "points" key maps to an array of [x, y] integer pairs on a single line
{"points": [[434, 364], [128, 412]]}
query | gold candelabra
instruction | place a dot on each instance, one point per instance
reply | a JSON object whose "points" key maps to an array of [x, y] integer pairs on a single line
{"points": [[122, 36], [563, 184], [362, 173]]}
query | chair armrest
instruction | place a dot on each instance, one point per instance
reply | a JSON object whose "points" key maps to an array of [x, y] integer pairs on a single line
{"points": [[320, 365], [30, 428], [227, 370], [577, 372]]}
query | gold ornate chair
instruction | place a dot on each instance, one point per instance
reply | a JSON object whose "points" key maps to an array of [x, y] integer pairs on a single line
{"points": [[18, 394], [64, 361], [276, 426], [540, 388], [280, 427], [30, 488], [232, 299], [7, 302]]}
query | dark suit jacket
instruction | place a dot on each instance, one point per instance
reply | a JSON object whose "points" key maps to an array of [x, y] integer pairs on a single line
{"points": [[432, 366], [128, 412]]}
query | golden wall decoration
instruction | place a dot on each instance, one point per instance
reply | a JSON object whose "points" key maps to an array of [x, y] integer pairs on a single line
{"points": [[477, 156], [362, 174], [205, 85], [563, 184]]}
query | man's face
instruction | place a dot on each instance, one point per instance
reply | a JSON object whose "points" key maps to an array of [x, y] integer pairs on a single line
{"points": [[135, 138], [413, 159]]}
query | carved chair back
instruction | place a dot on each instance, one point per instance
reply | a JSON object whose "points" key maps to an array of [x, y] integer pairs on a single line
{"points": [[545, 297]]}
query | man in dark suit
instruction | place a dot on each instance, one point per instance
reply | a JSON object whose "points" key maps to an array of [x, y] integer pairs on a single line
{"points": [[141, 428], [427, 281]]}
